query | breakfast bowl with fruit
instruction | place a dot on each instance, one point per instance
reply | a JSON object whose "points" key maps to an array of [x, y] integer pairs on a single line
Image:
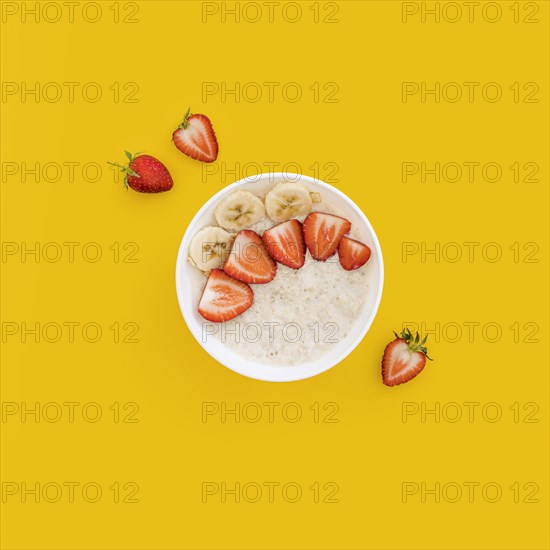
{"points": [[279, 276]]}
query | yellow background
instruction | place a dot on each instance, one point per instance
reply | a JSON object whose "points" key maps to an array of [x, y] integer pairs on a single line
{"points": [[369, 132]]}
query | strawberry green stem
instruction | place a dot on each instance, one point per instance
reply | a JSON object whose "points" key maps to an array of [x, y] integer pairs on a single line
{"points": [[185, 122], [126, 169], [414, 343]]}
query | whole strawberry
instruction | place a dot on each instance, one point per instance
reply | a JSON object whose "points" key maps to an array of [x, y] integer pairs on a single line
{"points": [[404, 358], [145, 174]]}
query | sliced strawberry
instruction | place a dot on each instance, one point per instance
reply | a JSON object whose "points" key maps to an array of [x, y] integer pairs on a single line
{"points": [[223, 297], [196, 138], [285, 243], [404, 358], [352, 254], [249, 261], [322, 233]]}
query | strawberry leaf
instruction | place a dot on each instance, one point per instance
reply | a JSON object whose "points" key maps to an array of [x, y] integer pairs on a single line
{"points": [[184, 124], [413, 341]]}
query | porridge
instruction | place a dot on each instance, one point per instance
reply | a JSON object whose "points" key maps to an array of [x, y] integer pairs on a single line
{"points": [[297, 317], [282, 288]]}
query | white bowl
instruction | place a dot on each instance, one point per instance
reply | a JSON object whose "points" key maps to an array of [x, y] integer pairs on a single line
{"points": [[189, 278]]}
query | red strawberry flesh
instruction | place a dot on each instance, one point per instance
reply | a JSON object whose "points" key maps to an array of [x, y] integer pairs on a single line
{"points": [[285, 243], [249, 261], [403, 359], [322, 234], [224, 298], [196, 138], [399, 364], [352, 254]]}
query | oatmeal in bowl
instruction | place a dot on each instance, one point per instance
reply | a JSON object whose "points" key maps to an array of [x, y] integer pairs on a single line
{"points": [[279, 276]]}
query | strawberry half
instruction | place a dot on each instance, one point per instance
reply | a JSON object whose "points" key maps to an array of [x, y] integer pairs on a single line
{"points": [[404, 358], [224, 298], [196, 138], [352, 254], [322, 233], [285, 243], [145, 174], [249, 261]]}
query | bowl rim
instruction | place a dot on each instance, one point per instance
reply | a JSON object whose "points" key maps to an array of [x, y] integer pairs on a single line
{"points": [[300, 370]]}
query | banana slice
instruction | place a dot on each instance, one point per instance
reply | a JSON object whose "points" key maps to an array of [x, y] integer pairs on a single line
{"points": [[239, 210], [210, 247], [287, 200]]}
